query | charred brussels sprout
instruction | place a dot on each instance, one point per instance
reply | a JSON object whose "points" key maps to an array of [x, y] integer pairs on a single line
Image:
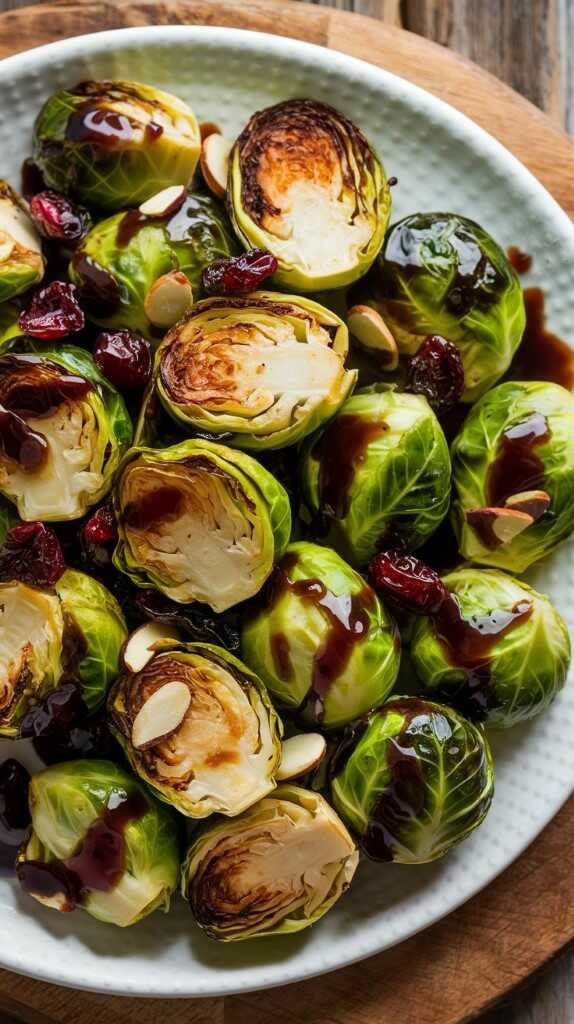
{"points": [[513, 475], [198, 727], [21, 260], [98, 842], [121, 258], [305, 184], [321, 640], [72, 633], [115, 144], [500, 651], [379, 474], [412, 780], [439, 273], [199, 521], [268, 368], [63, 429], [274, 870]]}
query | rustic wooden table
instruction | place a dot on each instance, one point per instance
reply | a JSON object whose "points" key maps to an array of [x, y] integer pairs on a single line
{"points": [[529, 44]]}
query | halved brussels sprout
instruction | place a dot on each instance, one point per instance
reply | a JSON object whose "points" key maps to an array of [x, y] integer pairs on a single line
{"points": [[440, 273], [115, 144], [513, 475], [275, 870], [199, 521], [321, 640], [269, 368], [412, 779], [499, 651], [305, 184], [122, 257], [379, 474], [99, 842], [21, 260], [73, 633], [198, 727]]}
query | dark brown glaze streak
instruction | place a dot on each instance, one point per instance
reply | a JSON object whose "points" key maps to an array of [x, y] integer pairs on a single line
{"points": [[520, 260], [517, 466], [541, 355], [340, 451], [153, 507]]}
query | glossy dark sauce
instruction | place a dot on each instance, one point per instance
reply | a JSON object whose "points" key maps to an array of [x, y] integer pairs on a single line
{"points": [[517, 466], [32, 386], [31, 178], [99, 290], [521, 261], [20, 444], [541, 355], [14, 813], [94, 124], [280, 652], [153, 507], [131, 222], [341, 450]]}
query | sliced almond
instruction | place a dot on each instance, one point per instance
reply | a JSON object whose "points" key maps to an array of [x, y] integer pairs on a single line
{"points": [[161, 714], [6, 246], [168, 299], [300, 754], [214, 163], [534, 503], [167, 201], [498, 525], [208, 128], [139, 647], [371, 331]]}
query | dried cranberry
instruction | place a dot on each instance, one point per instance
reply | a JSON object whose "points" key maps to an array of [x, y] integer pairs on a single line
{"points": [[91, 738], [99, 536], [58, 218], [32, 554], [436, 372], [53, 313], [238, 273], [409, 583], [59, 712], [124, 357]]}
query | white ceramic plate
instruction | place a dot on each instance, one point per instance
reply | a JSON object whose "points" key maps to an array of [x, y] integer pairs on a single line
{"points": [[443, 161]]}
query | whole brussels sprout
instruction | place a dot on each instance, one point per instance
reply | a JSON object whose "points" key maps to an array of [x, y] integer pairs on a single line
{"points": [[73, 633], [198, 727], [513, 475], [121, 258], [500, 651], [268, 368], [21, 260], [98, 842], [412, 779], [305, 184], [379, 474], [63, 429], [199, 521], [275, 870], [440, 273], [115, 144], [321, 640]]}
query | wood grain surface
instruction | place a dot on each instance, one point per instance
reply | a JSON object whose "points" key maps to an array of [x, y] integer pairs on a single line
{"points": [[459, 968]]}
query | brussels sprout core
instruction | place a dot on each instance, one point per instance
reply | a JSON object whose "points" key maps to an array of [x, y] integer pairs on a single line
{"points": [[21, 260]]}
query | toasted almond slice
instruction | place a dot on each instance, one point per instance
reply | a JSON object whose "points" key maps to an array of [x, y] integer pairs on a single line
{"points": [[300, 754], [161, 714], [371, 331], [6, 246], [168, 299], [208, 128], [167, 201], [214, 163], [139, 647], [498, 525], [534, 503]]}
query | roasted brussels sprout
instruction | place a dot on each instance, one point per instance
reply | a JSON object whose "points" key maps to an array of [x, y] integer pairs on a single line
{"points": [[98, 841], [412, 780], [9, 327], [274, 870], [498, 650], [72, 632], [199, 521], [121, 258], [268, 368], [320, 639], [379, 474], [198, 727], [439, 273], [513, 475], [115, 144], [305, 184], [21, 260], [63, 429]]}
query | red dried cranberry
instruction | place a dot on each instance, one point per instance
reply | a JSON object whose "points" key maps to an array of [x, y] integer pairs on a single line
{"points": [[409, 583], [58, 713], [238, 273], [124, 357], [53, 313], [58, 218], [32, 554], [99, 536], [436, 372]]}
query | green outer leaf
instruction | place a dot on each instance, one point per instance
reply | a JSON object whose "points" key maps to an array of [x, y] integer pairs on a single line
{"points": [[527, 666], [9, 328], [8, 518]]}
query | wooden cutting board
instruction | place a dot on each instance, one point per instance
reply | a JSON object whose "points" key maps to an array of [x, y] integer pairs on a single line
{"points": [[455, 970]]}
